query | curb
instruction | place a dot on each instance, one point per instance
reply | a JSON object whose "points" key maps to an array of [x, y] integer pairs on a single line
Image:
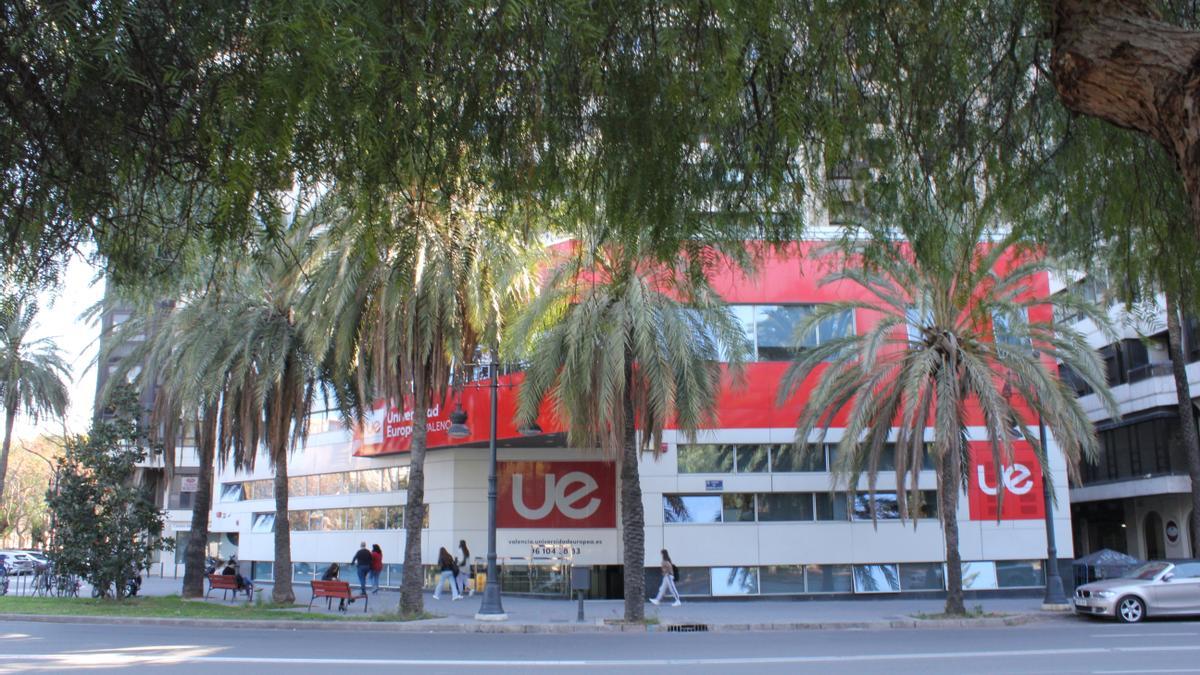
{"points": [[428, 625]]}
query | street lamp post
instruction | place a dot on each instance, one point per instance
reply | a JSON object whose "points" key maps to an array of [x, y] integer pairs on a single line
{"points": [[491, 609], [1055, 598]]}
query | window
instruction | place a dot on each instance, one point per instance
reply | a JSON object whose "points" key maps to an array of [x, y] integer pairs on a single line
{"points": [[922, 577], [788, 459], [263, 523], [330, 520], [737, 508], [772, 329], [1010, 331], [887, 506], [751, 458], [785, 506], [232, 492], [734, 580], [692, 508], [979, 576], [876, 579], [705, 459], [831, 506], [781, 579], [828, 578], [1020, 573], [390, 479]]}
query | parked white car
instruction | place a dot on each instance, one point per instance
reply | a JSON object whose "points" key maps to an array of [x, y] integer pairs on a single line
{"points": [[1157, 588], [19, 562]]}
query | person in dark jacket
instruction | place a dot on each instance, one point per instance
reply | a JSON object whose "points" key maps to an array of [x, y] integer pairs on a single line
{"points": [[331, 574], [362, 563], [449, 570], [243, 583]]}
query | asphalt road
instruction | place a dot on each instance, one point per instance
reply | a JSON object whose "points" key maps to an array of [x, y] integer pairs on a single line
{"points": [[1064, 645]]}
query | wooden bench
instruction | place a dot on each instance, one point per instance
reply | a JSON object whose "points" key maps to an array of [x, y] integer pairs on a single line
{"points": [[331, 590], [224, 583]]}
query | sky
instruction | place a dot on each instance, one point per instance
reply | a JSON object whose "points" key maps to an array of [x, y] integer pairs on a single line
{"points": [[59, 319]]}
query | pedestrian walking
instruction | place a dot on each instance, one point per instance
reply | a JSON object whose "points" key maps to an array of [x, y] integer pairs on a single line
{"points": [[448, 572], [668, 580], [464, 569], [376, 566], [362, 563]]}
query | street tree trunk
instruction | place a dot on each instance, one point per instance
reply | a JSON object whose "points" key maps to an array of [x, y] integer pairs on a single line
{"points": [[282, 592], [1116, 60], [1187, 414], [633, 519], [412, 587], [950, 476], [10, 418], [197, 544]]}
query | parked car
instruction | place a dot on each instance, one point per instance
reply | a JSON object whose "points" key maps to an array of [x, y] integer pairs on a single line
{"points": [[19, 562], [1157, 588]]}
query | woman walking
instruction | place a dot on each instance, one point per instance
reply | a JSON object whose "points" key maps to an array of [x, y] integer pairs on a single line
{"points": [[464, 568], [668, 580], [376, 566], [449, 571]]}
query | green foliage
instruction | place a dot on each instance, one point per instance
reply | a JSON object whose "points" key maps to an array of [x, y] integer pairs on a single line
{"points": [[33, 373], [106, 527]]}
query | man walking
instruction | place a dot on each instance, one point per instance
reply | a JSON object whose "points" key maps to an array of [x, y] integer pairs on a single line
{"points": [[362, 563]]}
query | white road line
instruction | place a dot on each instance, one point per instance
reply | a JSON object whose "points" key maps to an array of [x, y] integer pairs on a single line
{"points": [[117, 658], [1143, 670], [1142, 635]]}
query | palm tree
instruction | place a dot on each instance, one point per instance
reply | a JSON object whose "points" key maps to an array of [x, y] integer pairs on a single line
{"points": [[33, 374], [933, 360], [395, 308], [624, 347]]}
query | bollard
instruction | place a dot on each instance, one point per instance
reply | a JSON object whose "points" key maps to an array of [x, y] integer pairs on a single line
{"points": [[579, 618]]}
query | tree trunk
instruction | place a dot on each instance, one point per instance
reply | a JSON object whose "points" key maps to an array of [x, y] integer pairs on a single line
{"points": [[197, 544], [1116, 60], [282, 592], [633, 519], [10, 418], [948, 512], [1187, 416], [412, 588]]}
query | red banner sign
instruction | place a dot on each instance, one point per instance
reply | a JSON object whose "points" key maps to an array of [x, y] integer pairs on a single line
{"points": [[564, 495], [1020, 481]]}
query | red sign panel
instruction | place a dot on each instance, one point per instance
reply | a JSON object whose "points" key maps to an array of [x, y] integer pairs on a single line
{"points": [[556, 495], [1020, 481]]}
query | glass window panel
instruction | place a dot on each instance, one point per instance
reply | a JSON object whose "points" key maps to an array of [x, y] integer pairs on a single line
{"points": [[332, 484], [781, 579], [692, 508], [775, 327], [395, 574], [693, 581], [374, 480], [735, 581], [374, 518], [350, 519], [297, 486], [705, 458], [744, 314], [831, 506], [232, 492], [395, 517], [1019, 573], [828, 578], [298, 520], [876, 579], [785, 506], [317, 521], [181, 542], [979, 575], [262, 571], [399, 478], [737, 508], [313, 485], [787, 458], [922, 577], [751, 458], [836, 326], [887, 507], [263, 523], [302, 572]]}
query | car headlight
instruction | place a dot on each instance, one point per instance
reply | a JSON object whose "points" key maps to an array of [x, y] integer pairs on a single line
{"points": [[1104, 594]]}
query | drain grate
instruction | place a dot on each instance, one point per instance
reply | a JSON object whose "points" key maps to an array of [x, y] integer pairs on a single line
{"points": [[687, 628]]}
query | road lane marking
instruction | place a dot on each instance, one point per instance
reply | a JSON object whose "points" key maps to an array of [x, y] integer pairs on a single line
{"points": [[1143, 670], [102, 658], [1141, 635]]}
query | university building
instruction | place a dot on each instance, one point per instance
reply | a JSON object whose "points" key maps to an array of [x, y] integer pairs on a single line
{"points": [[741, 512]]}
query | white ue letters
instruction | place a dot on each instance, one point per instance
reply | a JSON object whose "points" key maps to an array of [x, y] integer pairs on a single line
{"points": [[1017, 479], [559, 496]]}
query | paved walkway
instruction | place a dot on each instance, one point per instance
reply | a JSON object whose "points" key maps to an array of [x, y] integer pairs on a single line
{"points": [[559, 615]]}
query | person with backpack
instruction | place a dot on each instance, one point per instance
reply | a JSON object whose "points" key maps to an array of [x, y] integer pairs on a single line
{"points": [[449, 572], [668, 580]]}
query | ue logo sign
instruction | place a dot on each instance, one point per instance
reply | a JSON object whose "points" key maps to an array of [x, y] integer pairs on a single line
{"points": [[1021, 482], [556, 495]]}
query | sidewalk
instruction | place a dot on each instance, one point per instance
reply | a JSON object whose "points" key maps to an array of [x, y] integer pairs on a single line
{"points": [[541, 615]]}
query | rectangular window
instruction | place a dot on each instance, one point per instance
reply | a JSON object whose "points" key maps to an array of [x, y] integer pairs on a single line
{"points": [[979, 576], [737, 508], [263, 523], [693, 581], [876, 579], [775, 327], [734, 581], [692, 508], [785, 506], [263, 571], [232, 492], [828, 578], [781, 579], [1020, 573], [751, 458], [787, 458], [887, 506], [922, 577], [297, 486], [374, 518], [705, 458], [831, 506]]}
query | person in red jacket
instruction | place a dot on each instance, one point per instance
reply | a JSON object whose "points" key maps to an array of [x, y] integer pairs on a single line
{"points": [[376, 566]]}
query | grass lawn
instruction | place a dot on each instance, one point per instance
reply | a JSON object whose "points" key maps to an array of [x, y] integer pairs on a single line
{"points": [[172, 606]]}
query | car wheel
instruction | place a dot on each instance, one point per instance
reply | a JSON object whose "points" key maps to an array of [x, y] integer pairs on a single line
{"points": [[1131, 609]]}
